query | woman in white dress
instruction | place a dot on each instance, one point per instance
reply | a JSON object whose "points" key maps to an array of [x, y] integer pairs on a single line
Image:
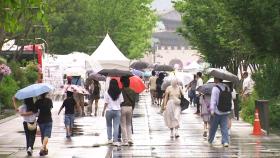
{"points": [[172, 112]]}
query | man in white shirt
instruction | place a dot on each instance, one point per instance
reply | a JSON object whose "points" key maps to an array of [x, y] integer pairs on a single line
{"points": [[218, 117], [199, 83], [248, 85]]}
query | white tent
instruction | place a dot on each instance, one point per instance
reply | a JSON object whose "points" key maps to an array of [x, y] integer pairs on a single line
{"points": [[109, 56]]}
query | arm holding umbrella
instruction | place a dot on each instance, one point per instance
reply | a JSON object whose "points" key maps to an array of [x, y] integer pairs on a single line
{"points": [[19, 109]]}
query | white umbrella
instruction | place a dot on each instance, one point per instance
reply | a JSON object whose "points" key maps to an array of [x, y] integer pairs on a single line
{"points": [[75, 71], [167, 82]]}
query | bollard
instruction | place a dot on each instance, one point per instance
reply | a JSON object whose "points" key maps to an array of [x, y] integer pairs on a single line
{"points": [[262, 106]]}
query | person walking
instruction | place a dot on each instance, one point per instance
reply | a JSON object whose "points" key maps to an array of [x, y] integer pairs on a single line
{"points": [[126, 111], [79, 98], [94, 90], [172, 112], [69, 103], [28, 112], [220, 107], [160, 92], [197, 97], [248, 85], [44, 106], [113, 99], [205, 112], [191, 90], [152, 86]]}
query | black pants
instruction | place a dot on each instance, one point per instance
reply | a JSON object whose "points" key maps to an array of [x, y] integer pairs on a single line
{"points": [[197, 103], [30, 136]]}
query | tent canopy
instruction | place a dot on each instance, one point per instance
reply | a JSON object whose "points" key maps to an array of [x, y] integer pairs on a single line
{"points": [[109, 56]]}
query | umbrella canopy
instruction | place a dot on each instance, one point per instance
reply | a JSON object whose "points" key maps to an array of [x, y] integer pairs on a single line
{"points": [[139, 65], [97, 77], [136, 83], [147, 73], [137, 72], [33, 90], [211, 80], [186, 78], [75, 89], [167, 82], [206, 88], [114, 72], [164, 68], [223, 74]]}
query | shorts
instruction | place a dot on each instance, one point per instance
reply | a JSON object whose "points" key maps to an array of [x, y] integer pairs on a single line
{"points": [[69, 120], [46, 129]]}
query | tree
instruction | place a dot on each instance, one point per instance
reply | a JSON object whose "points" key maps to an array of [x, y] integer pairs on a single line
{"points": [[79, 25], [214, 32], [19, 17]]}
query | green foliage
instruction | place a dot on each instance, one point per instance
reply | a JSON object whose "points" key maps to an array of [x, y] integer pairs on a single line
{"points": [[274, 112], [80, 25], [18, 74], [267, 79], [2, 61], [31, 72], [248, 108], [19, 17], [8, 88]]}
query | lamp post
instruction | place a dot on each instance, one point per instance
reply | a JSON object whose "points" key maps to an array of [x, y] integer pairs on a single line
{"points": [[154, 44]]}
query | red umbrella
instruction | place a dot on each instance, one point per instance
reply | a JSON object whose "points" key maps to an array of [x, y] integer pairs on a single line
{"points": [[136, 83]]}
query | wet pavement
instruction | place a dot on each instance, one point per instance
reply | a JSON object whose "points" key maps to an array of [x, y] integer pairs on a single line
{"points": [[151, 138]]}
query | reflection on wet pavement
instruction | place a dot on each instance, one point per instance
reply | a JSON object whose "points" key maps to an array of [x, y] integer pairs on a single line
{"points": [[151, 138]]}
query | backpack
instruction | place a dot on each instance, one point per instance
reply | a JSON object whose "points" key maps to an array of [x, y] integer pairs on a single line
{"points": [[225, 97]]}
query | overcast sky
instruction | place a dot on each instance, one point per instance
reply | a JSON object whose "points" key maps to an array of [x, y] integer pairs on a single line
{"points": [[162, 5]]}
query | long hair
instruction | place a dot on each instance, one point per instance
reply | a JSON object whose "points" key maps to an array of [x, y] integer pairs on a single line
{"points": [[30, 106], [114, 90]]}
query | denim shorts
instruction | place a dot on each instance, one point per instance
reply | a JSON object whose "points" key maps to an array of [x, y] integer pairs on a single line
{"points": [[69, 120], [46, 129]]}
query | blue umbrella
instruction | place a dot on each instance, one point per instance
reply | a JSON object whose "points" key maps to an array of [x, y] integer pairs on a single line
{"points": [[137, 72], [147, 73], [33, 90]]}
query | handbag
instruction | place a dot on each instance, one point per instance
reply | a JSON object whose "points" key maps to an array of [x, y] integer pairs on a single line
{"points": [[31, 126], [184, 102]]}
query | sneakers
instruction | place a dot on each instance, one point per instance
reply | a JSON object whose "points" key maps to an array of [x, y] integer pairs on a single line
{"points": [[125, 144], [116, 144], [226, 145], [29, 151], [110, 141]]}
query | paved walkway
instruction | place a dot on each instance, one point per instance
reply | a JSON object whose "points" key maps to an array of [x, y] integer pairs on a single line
{"points": [[151, 138]]}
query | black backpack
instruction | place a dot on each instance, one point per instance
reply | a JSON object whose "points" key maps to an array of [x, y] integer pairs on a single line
{"points": [[225, 98]]}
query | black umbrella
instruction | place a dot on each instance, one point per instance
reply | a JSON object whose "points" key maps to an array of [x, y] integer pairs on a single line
{"points": [[206, 88], [163, 68], [139, 65], [97, 77], [115, 72]]}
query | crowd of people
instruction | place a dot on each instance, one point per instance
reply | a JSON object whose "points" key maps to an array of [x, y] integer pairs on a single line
{"points": [[215, 108]]}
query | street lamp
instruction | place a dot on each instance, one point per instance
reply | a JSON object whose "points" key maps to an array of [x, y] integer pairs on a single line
{"points": [[45, 42], [154, 44]]}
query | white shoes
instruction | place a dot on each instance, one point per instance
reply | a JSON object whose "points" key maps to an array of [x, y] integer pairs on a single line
{"points": [[125, 144], [29, 151], [110, 141], [116, 144]]}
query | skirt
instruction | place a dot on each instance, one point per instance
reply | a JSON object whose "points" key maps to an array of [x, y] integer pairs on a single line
{"points": [[172, 114]]}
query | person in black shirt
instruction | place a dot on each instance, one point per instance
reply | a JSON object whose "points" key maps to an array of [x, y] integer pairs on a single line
{"points": [[44, 106], [69, 103]]}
